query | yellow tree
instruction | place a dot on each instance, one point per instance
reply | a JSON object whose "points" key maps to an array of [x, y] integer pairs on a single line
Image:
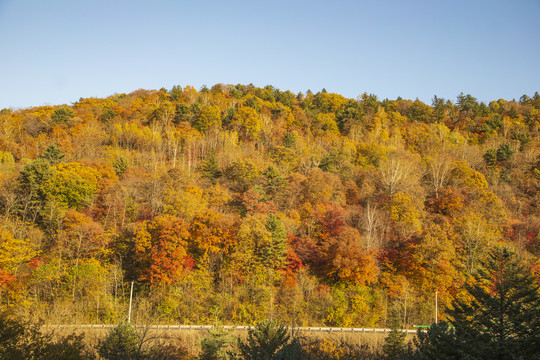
{"points": [[73, 184], [247, 123], [209, 117]]}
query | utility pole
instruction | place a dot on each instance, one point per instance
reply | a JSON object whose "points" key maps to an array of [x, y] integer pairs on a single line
{"points": [[436, 306], [130, 302]]}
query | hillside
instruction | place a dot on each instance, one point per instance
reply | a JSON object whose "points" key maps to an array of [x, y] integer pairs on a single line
{"points": [[244, 203]]}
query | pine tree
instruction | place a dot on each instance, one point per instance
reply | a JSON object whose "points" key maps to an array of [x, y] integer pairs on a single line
{"points": [[53, 154], [275, 184], [31, 197], [264, 342], [503, 319], [438, 343], [276, 253], [394, 343], [210, 167], [215, 345], [500, 321], [120, 166]]}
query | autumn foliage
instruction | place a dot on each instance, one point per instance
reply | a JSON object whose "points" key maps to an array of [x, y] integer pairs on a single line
{"points": [[248, 203]]}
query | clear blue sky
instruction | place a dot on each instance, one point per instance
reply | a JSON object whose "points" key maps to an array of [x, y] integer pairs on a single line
{"points": [[56, 51]]}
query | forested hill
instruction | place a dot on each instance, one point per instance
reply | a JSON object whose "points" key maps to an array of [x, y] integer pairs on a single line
{"points": [[244, 203]]}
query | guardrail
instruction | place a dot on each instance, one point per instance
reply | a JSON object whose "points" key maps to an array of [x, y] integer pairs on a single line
{"points": [[229, 327]]}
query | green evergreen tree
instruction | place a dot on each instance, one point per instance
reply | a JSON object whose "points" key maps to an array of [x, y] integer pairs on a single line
{"points": [[210, 167], [107, 115], [31, 196], [439, 342], [501, 321], [276, 253], [176, 92], [504, 152], [503, 318], [394, 343], [62, 115], [490, 157], [264, 342], [182, 113], [214, 346], [289, 140], [275, 184], [120, 166], [121, 343], [53, 154]]}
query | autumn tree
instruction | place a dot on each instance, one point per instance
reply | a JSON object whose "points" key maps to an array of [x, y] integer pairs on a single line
{"points": [[247, 122], [159, 248], [399, 172], [209, 117], [72, 185]]}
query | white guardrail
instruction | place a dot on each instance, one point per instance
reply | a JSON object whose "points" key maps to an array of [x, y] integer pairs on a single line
{"points": [[229, 327]]}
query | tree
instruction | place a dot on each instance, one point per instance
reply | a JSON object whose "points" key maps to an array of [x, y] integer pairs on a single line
{"points": [[502, 319], [120, 166], [31, 196], [72, 185], [210, 116], [81, 236], [247, 122], [215, 345], [15, 252], [7, 162], [210, 167], [62, 115], [438, 343], [160, 249], [394, 343], [275, 253], [399, 172], [242, 174], [264, 341], [176, 92], [438, 171], [53, 154], [211, 237], [122, 342]]}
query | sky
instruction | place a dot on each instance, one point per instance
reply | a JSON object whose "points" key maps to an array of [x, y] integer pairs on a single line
{"points": [[56, 51]]}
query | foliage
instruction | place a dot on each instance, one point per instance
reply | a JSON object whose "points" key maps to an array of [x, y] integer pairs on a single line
{"points": [[264, 342], [122, 342], [72, 185], [62, 115], [502, 318], [214, 345], [311, 208], [24, 340], [53, 154], [160, 249], [210, 167], [394, 343], [120, 166]]}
